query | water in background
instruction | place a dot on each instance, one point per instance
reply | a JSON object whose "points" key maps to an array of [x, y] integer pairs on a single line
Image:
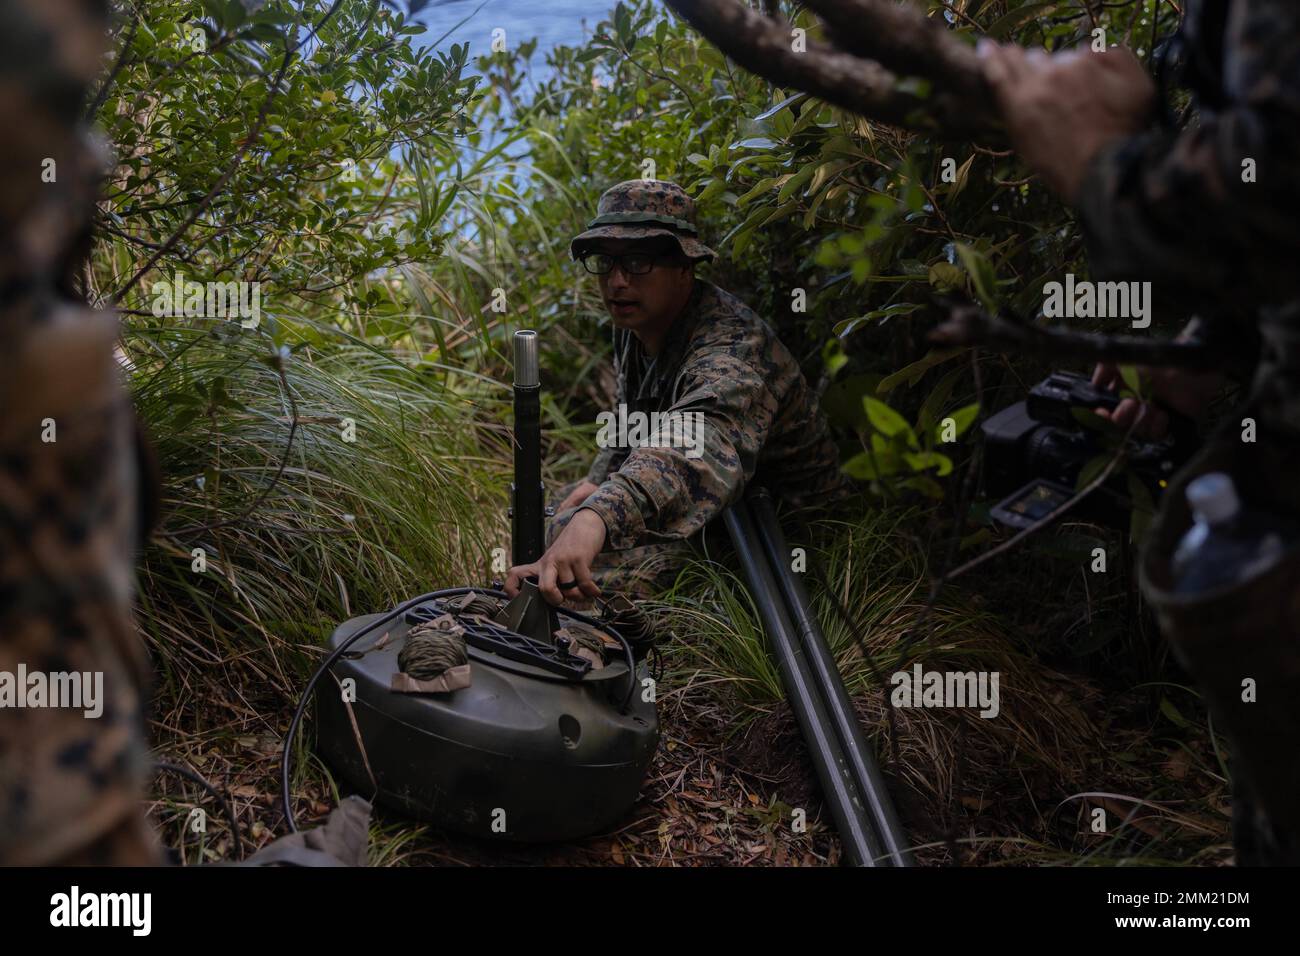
{"points": [[552, 22]]}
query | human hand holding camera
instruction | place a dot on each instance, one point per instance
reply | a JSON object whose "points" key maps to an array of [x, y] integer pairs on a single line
{"points": [[1172, 389]]}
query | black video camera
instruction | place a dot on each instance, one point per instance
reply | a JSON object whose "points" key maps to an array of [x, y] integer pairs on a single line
{"points": [[1035, 450]]}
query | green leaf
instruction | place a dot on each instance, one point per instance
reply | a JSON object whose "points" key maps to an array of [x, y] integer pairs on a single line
{"points": [[622, 23], [780, 212], [235, 14], [794, 182], [981, 273], [833, 356], [264, 31], [184, 417], [959, 181], [851, 243], [1129, 374], [1090, 419], [924, 460], [761, 187], [1003, 26], [823, 173], [946, 277], [962, 419], [1169, 710], [827, 254], [787, 102], [911, 374], [1091, 469], [885, 420], [937, 400], [842, 401], [925, 485], [715, 187], [862, 466], [845, 326]]}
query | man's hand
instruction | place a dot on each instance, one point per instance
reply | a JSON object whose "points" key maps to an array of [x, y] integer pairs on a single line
{"points": [[1179, 389], [566, 562], [577, 496], [1062, 109]]}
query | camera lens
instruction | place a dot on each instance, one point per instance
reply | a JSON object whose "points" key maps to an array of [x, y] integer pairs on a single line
{"points": [[1057, 454]]}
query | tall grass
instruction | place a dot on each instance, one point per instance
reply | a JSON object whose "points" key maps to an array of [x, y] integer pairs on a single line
{"points": [[975, 789], [298, 526]]}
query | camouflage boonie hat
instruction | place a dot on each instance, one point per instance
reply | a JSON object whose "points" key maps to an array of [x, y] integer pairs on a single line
{"points": [[642, 209]]}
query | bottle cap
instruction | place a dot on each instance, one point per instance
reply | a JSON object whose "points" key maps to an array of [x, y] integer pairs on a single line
{"points": [[1213, 497]]}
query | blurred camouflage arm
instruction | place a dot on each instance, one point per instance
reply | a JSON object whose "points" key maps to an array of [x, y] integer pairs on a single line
{"points": [[663, 494], [1172, 207]]}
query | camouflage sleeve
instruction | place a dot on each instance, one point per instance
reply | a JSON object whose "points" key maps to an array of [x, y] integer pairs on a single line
{"points": [[669, 492], [1207, 215], [600, 467]]}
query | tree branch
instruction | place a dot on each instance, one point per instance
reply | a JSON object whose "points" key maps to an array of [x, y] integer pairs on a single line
{"points": [[902, 38], [968, 325], [960, 107], [252, 137], [253, 134], [102, 95]]}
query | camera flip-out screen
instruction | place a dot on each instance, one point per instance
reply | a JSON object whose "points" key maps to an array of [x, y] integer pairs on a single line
{"points": [[1031, 503]]}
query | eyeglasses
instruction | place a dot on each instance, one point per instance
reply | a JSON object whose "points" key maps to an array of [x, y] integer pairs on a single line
{"points": [[633, 264]]}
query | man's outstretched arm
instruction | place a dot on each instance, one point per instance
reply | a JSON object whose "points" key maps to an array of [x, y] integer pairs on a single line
{"points": [[666, 493], [671, 491]]}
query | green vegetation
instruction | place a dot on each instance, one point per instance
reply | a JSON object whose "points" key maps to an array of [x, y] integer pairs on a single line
{"points": [[406, 209]]}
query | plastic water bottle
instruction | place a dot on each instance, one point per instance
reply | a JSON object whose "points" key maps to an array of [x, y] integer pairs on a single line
{"points": [[1228, 544]]}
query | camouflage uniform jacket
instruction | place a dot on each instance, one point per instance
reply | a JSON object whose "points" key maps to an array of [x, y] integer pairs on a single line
{"points": [[1210, 214], [760, 420]]}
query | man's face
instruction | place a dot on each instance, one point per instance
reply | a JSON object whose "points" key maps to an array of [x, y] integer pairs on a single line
{"points": [[644, 302]]}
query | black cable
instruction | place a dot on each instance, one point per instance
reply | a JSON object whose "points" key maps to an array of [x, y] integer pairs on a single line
{"points": [[630, 658], [285, 797], [193, 775]]}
